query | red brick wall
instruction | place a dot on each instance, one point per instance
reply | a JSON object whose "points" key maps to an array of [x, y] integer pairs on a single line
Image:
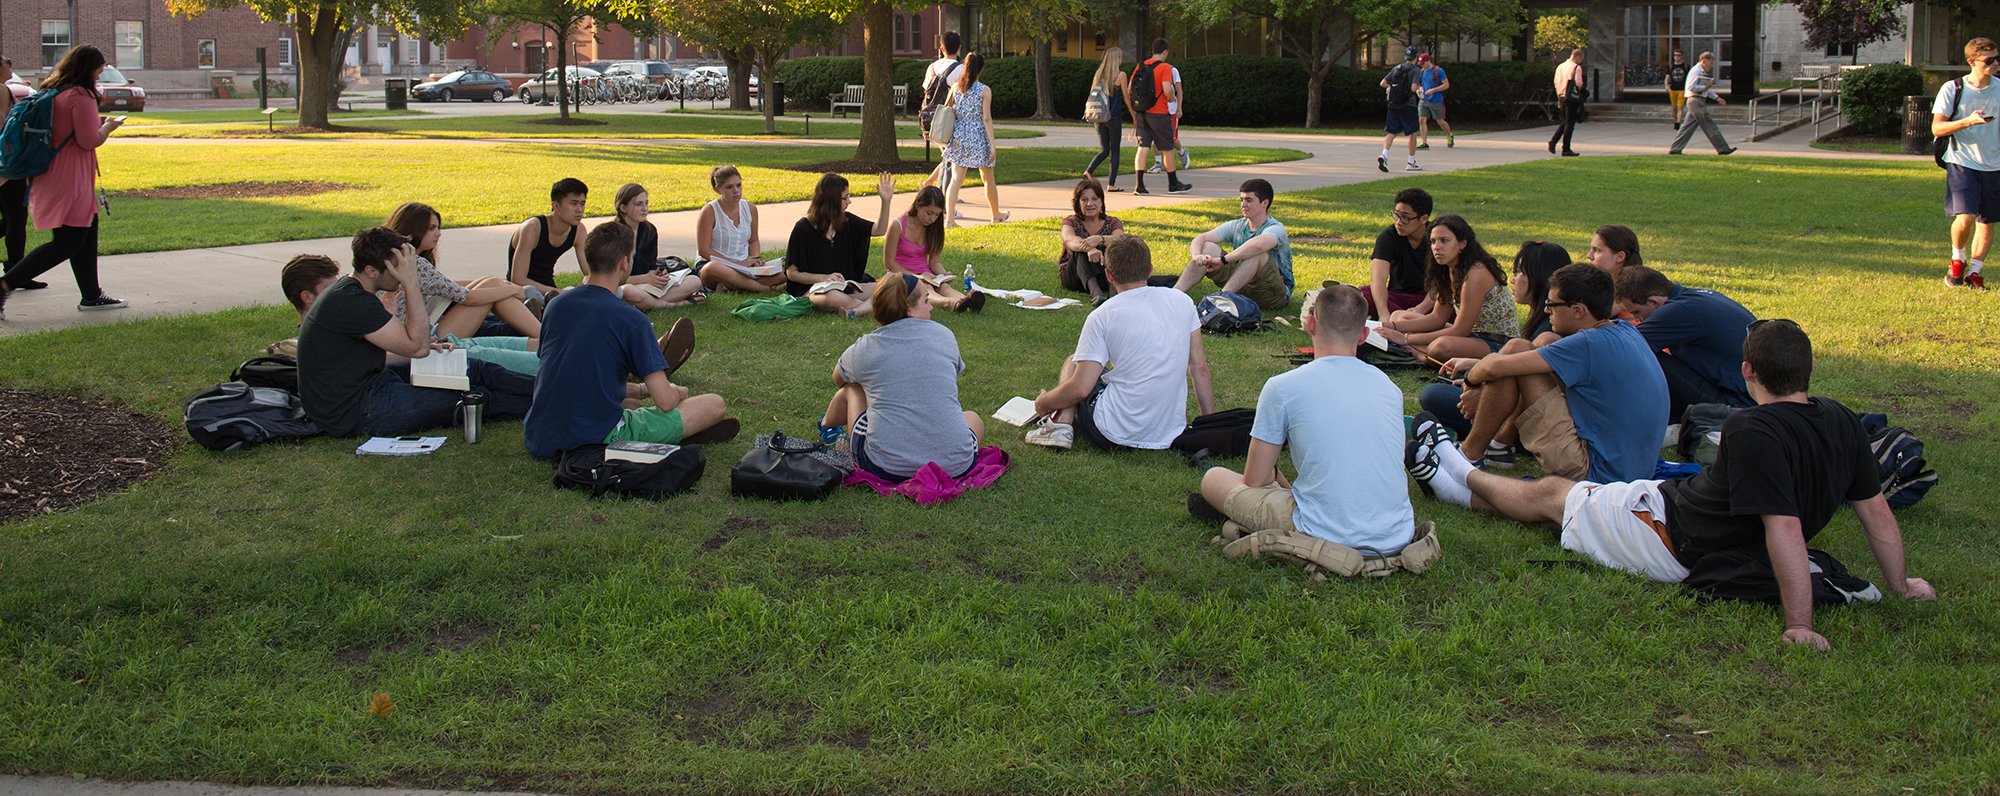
{"points": [[170, 41]]}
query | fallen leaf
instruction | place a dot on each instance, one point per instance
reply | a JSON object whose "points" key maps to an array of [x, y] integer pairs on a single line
{"points": [[380, 706]]}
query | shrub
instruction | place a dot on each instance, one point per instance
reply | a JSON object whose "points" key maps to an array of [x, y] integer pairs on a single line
{"points": [[1872, 98], [1494, 89], [1012, 80], [1244, 90], [811, 80]]}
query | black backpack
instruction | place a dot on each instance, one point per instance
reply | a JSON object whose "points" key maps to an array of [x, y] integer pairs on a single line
{"points": [[934, 96], [1399, 85], [234, 416], [1223, 312], [584, 468], [1899, 459], [1941, 144], [1146, 91], [1224, 434], [277, 370]]}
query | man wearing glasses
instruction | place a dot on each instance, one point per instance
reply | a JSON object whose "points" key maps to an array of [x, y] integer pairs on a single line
{"points": [[1396, 268], [1590, 406], [1784, 468], [1963, 111]]}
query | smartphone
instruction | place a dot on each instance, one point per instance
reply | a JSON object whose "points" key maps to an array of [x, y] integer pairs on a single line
{"points": [[119, 119]]}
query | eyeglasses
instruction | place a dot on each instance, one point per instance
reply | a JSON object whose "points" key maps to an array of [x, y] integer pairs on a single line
{"points": [[1403, 218], [1555, 303]]}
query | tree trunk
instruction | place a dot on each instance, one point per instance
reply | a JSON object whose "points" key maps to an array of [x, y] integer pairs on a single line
{"points": [[738, 63], [878, 114], [1315, 89], [768, 60], [562, 71], [1045, 90], [317, 35], [336, 65]]}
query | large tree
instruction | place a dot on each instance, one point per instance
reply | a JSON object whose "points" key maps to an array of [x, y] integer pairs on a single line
{"points": [[1041, 21], [1849, 23], [323, 26], [878, 119]]}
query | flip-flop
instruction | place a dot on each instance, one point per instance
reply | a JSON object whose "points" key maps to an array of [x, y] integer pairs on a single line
{"points": [[678, 344]]}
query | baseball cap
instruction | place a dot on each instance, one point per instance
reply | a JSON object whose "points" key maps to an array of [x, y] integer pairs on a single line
{"points": [[1409, 52], [1423, 58]]}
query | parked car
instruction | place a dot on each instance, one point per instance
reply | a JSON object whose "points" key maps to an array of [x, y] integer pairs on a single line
{"points": [[471, 84], [119, 92], [723, 73], [657, 73], [544, 85]]}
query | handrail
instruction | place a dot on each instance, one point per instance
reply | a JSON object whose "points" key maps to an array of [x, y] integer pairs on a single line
{"points": [[1776, 113]]}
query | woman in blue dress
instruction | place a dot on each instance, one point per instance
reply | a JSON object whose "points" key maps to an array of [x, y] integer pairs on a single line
{"points": [[972, 137]]}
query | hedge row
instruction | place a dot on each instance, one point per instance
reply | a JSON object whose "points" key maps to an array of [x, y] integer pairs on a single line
{"points": [[1872, 98], [1223, 90]]}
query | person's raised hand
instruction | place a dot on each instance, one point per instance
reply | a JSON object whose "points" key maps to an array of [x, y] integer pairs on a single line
{"points": [[1805, 635], [887, 186]]}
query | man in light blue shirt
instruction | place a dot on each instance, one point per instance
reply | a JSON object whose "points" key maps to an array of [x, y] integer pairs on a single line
{"points": [[1963, 111], [1259, 264], [1343, 421], [1701, 92]]}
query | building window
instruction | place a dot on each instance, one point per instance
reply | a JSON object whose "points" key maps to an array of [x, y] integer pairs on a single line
{"points": [[55, 40], [413, 51], [1840, 50], [129, 44], [204, 54], [285, 55], [898, 38]]}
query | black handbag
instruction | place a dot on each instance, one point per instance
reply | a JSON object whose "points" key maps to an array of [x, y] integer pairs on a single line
{"points": [[779, 467], [585, 468]]}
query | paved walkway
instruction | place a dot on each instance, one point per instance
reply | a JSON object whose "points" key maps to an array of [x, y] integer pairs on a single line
{"points": [[211, 279]]}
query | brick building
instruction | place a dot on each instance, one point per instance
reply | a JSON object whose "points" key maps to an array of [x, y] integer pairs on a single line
{"points": [[136, 35]]}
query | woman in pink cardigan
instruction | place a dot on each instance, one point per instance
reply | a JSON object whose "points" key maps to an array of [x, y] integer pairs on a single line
{"points": [[65, 198]]}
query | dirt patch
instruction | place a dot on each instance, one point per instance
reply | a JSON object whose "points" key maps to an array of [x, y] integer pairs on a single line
{"points": [[456, 638], [239, 190], [834, 528], [569, 122], [436, 641], [58, 452], [1124, 575], [730, 528], [865, 167]]}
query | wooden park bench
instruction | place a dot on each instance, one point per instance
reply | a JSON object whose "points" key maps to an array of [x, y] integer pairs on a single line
{"points": [[850, 97]]}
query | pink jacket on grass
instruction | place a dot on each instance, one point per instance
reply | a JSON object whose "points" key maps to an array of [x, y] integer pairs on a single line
{"points": [[66, 195], [932, 485]]}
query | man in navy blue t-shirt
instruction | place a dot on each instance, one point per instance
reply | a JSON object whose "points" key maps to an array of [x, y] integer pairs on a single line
{"points": [[592, 342], [1697, 335]]}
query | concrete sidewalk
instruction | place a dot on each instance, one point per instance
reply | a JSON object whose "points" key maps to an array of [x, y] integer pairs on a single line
{"points": [[211, 279]]}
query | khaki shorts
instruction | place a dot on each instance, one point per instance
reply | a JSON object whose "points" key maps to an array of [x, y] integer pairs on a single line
{"points": [[1267, 288], [1260, 508], [1548, 432], [1678, 99]]}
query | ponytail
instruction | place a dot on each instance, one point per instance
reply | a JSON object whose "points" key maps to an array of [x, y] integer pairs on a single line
{"points": [[892, 300]]}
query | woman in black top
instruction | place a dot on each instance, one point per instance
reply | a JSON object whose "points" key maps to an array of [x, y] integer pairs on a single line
{"points": [[827, 257], [655, 283], [1110, 81]]}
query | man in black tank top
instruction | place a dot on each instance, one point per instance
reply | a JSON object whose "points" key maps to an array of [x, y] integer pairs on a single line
{"points": [[543, 240]]}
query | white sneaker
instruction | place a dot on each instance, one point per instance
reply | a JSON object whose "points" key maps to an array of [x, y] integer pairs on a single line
{"points": [[1052, 434], [1157, 168], [1412, 166]]}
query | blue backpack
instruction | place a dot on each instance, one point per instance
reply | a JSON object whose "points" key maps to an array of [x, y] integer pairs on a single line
{"points": [[1223, 312], [1899, 456], [26, 141]]}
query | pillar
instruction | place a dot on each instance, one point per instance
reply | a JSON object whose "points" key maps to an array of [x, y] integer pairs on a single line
{"points": [[1747, 61], [1600, 58]]}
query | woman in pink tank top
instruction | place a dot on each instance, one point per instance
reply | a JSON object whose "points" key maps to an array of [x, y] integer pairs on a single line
{"points": [[64, 198], [915, 244]]}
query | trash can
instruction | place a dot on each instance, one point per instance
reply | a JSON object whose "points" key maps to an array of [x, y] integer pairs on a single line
{"points": [[1916, 125], [777, 98], [396, 94]]}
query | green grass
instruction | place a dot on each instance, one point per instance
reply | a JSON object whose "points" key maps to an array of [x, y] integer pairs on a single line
{"points": [[597, 125], [1345, 127], [284, 115], [1068, 630], [472, 184], [1873, 144]]}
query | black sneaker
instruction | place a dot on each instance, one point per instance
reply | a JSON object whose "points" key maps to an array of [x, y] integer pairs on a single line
{"points": [[1499, 457], [1199, 509], [33, 284], [3, 302], [1180, 187], [99, 302], [1141, 190]]}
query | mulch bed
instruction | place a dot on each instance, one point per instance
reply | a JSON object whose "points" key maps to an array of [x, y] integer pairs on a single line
{"points": [[569, 122], [58, 452], [865, 167], [239, 190]]}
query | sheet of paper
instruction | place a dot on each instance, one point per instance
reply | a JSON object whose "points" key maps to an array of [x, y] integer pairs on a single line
{"points": [[441, 369], [399, 446], [1016, 412], [1053, 305]]}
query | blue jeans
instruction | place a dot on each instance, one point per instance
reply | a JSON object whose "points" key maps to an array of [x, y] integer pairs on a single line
{"points": [[1442, 400], [393, 408]]}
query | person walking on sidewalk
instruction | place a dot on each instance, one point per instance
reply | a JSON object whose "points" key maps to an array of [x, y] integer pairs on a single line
{"points": [[1569, 91], [1109, 82], [939, 77], [1150, 99], [1677, 78], [1432, 83], [1964, 112], [1700, 92], [972, 139], [65, 198], [1402, 117], [13, 193]]}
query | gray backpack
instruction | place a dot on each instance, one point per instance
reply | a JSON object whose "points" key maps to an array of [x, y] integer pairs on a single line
{"points": [[233, 416]]}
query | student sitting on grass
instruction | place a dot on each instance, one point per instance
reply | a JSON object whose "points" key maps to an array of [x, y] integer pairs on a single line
{"points": [[1343, 421], [540, 241], [898, 388], [457, 309], [914, 245], [592, 344], [827, 257], [1614, 247], [1470, 312], [306, 276], [1085, 232], [347, 335], [1591, 405], [1396, 266], [1126, 387], [1784, 468], [649, 272], [1697, 335], [1533, 265], [1259, 266], [725, 237]]}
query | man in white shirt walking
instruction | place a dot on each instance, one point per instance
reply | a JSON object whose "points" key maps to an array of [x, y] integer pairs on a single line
{"points": [[1701, 92]]}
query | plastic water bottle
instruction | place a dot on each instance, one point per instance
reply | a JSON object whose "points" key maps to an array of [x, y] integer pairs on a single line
{"points": [[968, 277]]}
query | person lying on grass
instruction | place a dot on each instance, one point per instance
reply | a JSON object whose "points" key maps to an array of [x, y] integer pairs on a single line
{"points": [[1259, 262], [914, 246], [827, 256], [1126, 386], [725, 238], [1785, 466], [346, 337], [541, 241], [453, 308], [654, 283], [591, 344], [897, 390], [306, 276], [1343, 422]]}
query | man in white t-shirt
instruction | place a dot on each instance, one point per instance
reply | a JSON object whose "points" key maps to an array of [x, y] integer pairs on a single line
{"points": [[1343, 421], [1964, 111], [1127, 385], [939, 77]]}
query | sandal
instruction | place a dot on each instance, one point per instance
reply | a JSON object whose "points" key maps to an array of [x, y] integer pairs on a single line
{"points": [[1113, 189]]}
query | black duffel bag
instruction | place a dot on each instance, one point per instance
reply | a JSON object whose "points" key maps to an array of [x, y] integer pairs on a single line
{"points": [[585, 468], [779, 467]]}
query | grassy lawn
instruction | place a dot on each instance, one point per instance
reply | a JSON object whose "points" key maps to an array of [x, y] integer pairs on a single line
{"points": [[1068, 630], [614, 125], [1874, 144], [483, 184], [1337, 128], [285, 115]]}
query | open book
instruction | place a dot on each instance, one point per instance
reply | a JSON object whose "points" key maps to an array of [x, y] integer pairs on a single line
{"points": [[834, 286], [444, 370], [1375, 337], [1017, 411], [641, 452]]}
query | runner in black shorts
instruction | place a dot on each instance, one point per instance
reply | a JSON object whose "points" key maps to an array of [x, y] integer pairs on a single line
{"points": [[1155, 123], [1402, 116]]}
